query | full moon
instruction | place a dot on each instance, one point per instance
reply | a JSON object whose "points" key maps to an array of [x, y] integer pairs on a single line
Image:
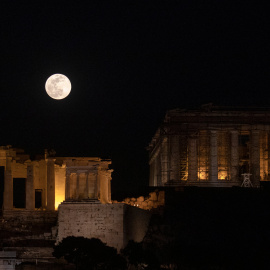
{"points": [[58, 86]]}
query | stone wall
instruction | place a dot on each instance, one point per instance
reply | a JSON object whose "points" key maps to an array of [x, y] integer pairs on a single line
{"points": [[154, 200], [24, 228], [136, 223], [114, 224], [24, 216], [33, 254]]}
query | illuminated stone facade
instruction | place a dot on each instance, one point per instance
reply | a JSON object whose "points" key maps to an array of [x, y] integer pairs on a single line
{"points": [[44, 183], [79, 188], [211, 147], [114, 224]]}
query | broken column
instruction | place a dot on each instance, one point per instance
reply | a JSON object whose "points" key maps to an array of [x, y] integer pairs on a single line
{"points": [[50, 184]]}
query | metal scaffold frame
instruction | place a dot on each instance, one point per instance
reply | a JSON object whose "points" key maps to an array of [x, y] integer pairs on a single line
{"points": [[246, 180]]}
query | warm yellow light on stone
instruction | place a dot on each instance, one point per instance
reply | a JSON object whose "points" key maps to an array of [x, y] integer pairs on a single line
{"points": [[58, 86], [222, 175], [58, 200], [202, 175]]}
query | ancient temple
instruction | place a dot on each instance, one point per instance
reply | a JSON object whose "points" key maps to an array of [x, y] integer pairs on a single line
{"points": [[79, 188], [212, 147], [43, 183]]}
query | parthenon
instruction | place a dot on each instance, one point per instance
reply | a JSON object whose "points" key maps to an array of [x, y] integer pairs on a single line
{"points": [[212, 147], [43, 183]]}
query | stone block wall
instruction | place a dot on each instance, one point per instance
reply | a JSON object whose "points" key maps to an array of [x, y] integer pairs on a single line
{"points": [[24, 216], [114, 224], [136, 223], [21, 225]]}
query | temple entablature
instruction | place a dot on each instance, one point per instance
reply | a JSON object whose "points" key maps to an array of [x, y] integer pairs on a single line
{"points": [[211, 147]]}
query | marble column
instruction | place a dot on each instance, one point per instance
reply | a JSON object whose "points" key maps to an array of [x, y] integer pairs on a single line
{"points": [[104, 187], [264, 155], [109, 189], [192, 159], [92, 185], [50, 184], [78, 186], [67, 191], [30, 191], [96, 185], [255, 158], [87, 185], [151, 172], [234, 165], [213, 173], [164, 155], [85, 188], [174, 158], [157, 171], [8, 186]]}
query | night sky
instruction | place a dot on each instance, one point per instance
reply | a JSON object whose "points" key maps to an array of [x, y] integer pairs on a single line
{"points": [[128, 63]]}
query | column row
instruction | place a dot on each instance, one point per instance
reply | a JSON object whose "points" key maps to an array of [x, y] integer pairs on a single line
{"points": [[29, 186], [254, 161], [81, 185]]}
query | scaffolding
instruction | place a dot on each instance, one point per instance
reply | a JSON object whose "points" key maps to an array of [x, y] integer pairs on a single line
{"points": [[226, 145], [183, 158], [203, 155], [246, 180], [223, 154]]}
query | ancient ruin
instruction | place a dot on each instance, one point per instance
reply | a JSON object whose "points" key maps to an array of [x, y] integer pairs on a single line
{"points": [[43, 183], [154, 200], [211, 147], [69, 195]]}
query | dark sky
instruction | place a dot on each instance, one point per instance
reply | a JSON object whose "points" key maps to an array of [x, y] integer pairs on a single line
{"points": [[128, 62]]}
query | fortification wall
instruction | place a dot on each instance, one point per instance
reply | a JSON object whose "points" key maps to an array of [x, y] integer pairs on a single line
{"points": [[114, 224], [136, 223]]}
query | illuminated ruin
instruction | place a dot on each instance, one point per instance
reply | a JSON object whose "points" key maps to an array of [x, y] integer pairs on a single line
{"points": [[44, 183], [211, 147], [71, 195]]}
